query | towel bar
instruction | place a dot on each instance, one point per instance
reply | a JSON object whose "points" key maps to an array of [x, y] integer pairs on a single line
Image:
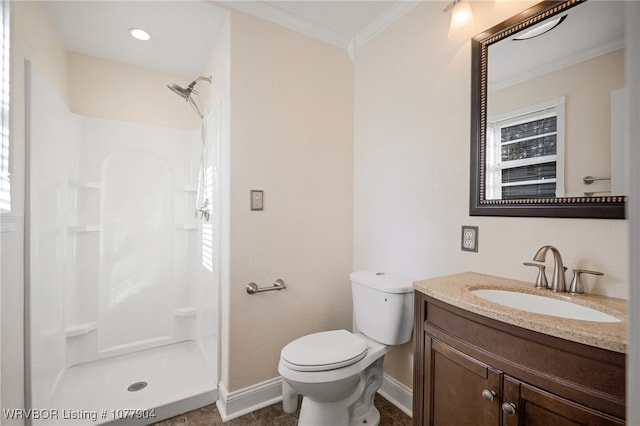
{"points": [[588, 180], [252, 288]]}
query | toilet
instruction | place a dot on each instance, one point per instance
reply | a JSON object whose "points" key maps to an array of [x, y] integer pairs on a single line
{"points": [[338, 372]]}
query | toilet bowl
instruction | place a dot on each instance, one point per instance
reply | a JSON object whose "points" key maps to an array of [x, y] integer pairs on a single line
{"points": [[338, 389], [338, 372]]}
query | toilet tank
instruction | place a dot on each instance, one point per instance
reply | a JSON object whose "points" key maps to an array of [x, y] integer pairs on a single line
{"points": [[383, 306]]}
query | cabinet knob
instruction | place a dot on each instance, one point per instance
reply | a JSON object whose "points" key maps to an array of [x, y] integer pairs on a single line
{"points": [[488, 395], [509, 409]]}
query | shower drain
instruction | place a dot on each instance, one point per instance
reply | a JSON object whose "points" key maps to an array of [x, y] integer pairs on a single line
{"points": [[137, 386]]}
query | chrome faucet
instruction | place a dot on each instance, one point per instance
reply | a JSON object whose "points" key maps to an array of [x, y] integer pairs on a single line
{"points": [[557, 281]]}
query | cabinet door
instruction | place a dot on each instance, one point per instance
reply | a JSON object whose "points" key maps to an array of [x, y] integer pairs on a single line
{"points": [[526, 405], [459, 390]]}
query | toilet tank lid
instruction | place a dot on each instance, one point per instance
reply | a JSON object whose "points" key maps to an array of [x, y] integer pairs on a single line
{"points": [[382, 281]]}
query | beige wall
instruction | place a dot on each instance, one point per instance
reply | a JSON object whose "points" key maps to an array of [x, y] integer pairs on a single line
{"points": [[118, 91], [35, 38], [411, 170], [291, 136], [587, 113]]}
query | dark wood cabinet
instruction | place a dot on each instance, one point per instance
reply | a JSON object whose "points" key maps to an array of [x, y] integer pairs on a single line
{"points": [[536, 407], [472, 370], [458, 383]]}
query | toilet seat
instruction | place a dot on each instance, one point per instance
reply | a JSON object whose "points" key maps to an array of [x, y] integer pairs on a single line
{"points": [[327, 350]]}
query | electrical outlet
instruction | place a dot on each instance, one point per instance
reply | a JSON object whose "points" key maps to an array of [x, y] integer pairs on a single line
{"points": [[469, 238]]}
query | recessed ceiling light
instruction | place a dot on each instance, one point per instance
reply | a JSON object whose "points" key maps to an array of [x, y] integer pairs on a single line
{"points": [[541, 29], [139, 34]]}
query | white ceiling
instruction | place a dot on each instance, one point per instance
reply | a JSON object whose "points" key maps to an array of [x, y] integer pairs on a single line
{"points": [[183, 32]]}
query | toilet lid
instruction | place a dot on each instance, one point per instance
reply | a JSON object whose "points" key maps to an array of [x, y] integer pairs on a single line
{"points": [[327, 350]]}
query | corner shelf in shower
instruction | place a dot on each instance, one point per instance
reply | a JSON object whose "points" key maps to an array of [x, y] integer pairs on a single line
{"points": [[185, 311], [81, 329], [88, 184], [186, 226], [84, 228], [185, 199], [186, 188], [84, 205]]}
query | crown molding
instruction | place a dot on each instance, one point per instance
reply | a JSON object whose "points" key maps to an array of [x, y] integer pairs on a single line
{"points": [[383, 21], [560, 64], [280, 17], [271, 13]]}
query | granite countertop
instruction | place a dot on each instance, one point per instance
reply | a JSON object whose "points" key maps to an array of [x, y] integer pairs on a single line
{"points": [[456, 290]]}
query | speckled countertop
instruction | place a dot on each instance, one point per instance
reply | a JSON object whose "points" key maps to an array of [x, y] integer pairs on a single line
{"points": [[456, 290]]}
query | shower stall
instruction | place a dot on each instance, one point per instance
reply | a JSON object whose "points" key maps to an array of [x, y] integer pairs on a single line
{"points": [[122, 274]]}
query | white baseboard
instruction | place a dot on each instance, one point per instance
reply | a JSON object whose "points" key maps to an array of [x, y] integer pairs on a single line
{"points": [[247, 400], [238, 403], [397, 394]]}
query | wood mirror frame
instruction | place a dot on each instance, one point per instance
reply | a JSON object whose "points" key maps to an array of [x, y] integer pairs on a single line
{"points": [[604, 207]]}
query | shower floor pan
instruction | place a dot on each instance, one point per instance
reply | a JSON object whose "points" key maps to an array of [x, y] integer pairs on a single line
{"points": [[134, 389]]}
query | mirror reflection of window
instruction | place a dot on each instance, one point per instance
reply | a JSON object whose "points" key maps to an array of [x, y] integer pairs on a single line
{"points": [[524, 149]]}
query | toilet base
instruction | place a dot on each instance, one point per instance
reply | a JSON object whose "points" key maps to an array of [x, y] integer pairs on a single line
{"points": [[324, 415], [313, 413], [372, 418], [356, 409]]}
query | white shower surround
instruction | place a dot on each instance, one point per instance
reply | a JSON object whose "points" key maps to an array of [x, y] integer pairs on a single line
{"points": [[116, 270]]}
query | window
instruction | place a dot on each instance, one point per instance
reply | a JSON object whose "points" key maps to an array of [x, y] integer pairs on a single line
{"points": [[209, 189], [207, 228], [5, 190], [525, 153]]}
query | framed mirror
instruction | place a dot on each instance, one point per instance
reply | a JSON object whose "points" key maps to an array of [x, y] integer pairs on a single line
{"points": [[549, 133]]}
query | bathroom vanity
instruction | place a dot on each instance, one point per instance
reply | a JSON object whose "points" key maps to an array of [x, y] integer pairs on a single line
{"points": [[478, 362]]}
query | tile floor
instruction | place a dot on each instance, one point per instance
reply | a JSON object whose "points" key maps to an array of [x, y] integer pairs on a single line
{"points": [[273, 415]]}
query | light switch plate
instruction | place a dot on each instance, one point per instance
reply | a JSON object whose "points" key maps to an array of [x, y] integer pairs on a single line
{"points": [[257, 200], [469, 238]]}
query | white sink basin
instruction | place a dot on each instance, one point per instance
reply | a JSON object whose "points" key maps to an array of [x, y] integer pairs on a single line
{"points": [[544, 305]]}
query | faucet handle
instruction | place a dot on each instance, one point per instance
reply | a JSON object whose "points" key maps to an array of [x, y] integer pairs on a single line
{"points": [[576, 283], [541, 280]]}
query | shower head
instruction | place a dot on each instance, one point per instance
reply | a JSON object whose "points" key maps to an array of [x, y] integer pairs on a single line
{"points": [[185, 93], [180, 91]]}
